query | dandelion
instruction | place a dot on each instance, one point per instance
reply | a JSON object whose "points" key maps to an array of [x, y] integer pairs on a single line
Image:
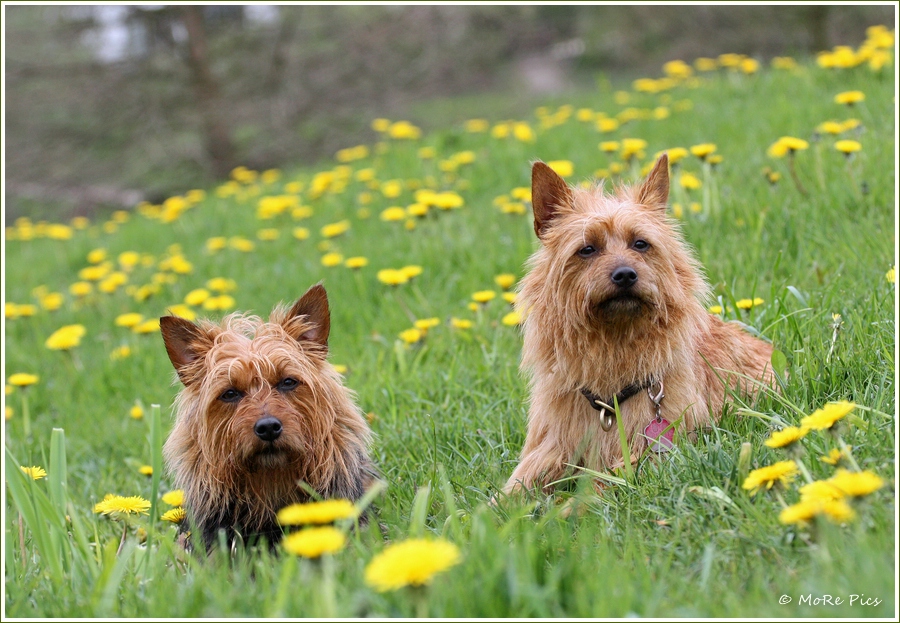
{"points": [[411, 336], [847, 147], [34, 472], [512, 319], [785, 437], [413, 562], [147, 326], [820, 490], [22, 379], [475, 126], [300, 233], [356, 262], [391, 276], [339, 368], [426, 323], [786, 145], [805, 510], [65, 337], [460, 323], [703, 150], [322, 512], [891, 275], [222, 284], [197, 297], [609, 147], [633, 148], [120, 352], [334, 229], [145, 470], [510, 297], [314, 542], [484, 296], [833, 457], [780, 473], [175, 497], [505, 280], [827, 416], [689, 181], [856, 484], [332, 259], [221, 302], [411, 271], [129, 320], [174, 515], [849, 98], [563, 168], [122, 505]]}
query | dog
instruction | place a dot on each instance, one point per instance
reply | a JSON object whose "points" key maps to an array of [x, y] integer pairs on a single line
{"points": [[261, 415], [614, 312]]}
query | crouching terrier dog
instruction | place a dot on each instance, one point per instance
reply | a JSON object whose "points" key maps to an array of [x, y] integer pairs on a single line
{"points": [[614, 312], [261, 414]]}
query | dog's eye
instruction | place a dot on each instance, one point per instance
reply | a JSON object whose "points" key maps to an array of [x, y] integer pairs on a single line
{"points": [[586, 251], [640, 245], [287, 384], [231, 395]]}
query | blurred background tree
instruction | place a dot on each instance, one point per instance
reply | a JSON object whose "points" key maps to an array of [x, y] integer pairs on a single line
{"points": [[107, 105]]}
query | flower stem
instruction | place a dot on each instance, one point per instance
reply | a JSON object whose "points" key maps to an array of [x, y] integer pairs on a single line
{"points": [[803, 469], [794, 176], [848, 454]]}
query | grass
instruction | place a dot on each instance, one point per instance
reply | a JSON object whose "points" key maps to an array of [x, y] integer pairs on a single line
{"points": [[677, 537]]}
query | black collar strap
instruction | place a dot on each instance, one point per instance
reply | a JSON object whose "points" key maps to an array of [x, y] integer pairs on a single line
{"points": [[607, 407]]}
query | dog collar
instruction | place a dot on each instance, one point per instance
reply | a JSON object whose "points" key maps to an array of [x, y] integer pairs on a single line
{"points": [[606, 408]]}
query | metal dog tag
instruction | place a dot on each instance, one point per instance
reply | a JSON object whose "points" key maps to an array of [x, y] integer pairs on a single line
{"points": [[662, 441]]}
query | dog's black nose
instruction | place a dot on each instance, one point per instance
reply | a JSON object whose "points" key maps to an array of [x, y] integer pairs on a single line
{"points": [[268, 428], [624, 276]]}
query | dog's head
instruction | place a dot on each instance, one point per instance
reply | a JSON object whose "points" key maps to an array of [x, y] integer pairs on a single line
{"points": [[609, 260], [257, 395]]}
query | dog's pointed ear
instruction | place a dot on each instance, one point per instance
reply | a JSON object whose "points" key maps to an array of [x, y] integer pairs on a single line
{"points": [[185, 343], [313, 305], [654, 192], [549, 192]]}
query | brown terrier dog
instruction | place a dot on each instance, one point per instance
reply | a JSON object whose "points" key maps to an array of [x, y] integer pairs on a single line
{"points": [[613, 307], [261, 412]]}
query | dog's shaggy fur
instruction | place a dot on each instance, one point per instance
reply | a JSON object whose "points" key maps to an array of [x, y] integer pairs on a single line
{"points": [[614, 298], [261, 411]]}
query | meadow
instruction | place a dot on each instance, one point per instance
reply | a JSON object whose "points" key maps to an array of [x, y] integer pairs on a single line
{"points": [[788, 198]]}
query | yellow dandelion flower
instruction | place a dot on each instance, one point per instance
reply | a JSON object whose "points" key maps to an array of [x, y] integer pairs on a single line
{"points": [[7, 413], [314, 542], [145, 470], [197, 297], [505, 280], [484, 296], [147, 326], [120, 352], [476, 125], [715, 309], [689, 181], [120, 504], [609, 147], [847, 147], [460, 323], [391, 276], [830, 127], [800, 512], [222, 284], [175, 497], [51, 301], [221, 303], [827, 416], [426, 323], [394, 213], [781, 473], [136, 412], [411, 336], [744, 303], [849, 98], [81, 288], [820, 490], [891, 275], [703, 150], [174, 515], [356, 262], [563, 168], [23, 379], [411, 271], [856, 484], [322, 512], [270, 233], [34, 472], [339, 368], [833, 457], [65, 337], [413, 562], [332, 259], [333, 230], [512, 319], [510, 297], [129, 320], [785, 437], [786, 145], [838, 511]]}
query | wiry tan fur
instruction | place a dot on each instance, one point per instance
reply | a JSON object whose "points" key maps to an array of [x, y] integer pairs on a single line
{"points": [[232, 479], [581, 332]]}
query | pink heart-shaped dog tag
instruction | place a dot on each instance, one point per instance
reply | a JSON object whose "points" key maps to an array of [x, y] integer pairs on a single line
{"points": [[662, 441]]}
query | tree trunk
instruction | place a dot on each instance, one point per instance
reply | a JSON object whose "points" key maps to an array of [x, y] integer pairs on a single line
{"points": [[219, 147]]}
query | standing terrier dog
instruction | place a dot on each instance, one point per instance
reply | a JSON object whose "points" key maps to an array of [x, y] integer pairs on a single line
{"points": [[613, 307], [261, 412]]}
